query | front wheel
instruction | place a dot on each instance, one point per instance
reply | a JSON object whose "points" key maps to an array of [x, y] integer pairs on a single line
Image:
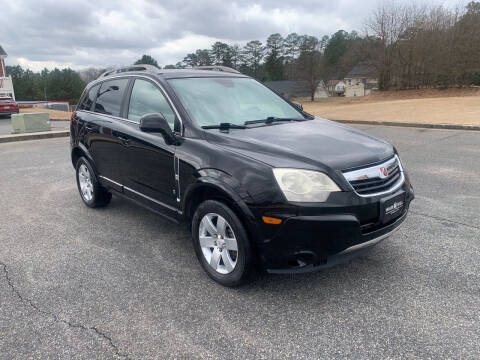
{"points": [[222, 244]]}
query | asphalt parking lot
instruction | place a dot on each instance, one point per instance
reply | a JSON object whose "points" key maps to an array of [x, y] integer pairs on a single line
{"points": [[121, 282]]}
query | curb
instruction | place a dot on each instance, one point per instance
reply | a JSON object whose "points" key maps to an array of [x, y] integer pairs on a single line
{"points": [[415, 125], [34, 136]]}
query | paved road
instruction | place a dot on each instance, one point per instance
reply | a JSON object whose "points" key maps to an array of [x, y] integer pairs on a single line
{"points": [[123, 283], [6, 125]]}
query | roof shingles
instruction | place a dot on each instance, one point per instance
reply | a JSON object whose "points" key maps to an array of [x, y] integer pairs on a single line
{"points": [[362, 71]]}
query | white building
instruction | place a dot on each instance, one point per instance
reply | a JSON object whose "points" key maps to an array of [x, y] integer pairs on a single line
{"points": [[361, 81], [6, 84]]}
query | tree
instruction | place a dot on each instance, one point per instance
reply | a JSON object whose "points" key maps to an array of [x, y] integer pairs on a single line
{"points": [[308, 43], [90, 74], [146, 59], [341, 54], [274, 57], [63, 85], [253, 53], [221, 54], [190, 60], [336, 47], [236, 56], [203, 57], [291, 46], [309, 69], [384, 30]]}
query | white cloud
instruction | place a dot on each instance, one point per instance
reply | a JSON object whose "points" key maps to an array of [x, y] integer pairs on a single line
{"points": [[40, 65]]}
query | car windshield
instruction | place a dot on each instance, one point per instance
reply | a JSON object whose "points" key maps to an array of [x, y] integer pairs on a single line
{"points": [[5, 100], [212, 101]]}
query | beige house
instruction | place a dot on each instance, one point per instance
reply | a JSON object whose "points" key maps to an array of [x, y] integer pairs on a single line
{"points": [[336, 87], [361, 81]]}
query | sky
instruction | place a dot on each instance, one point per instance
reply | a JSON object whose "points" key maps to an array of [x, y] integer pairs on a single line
{"points": [[102, 33]]}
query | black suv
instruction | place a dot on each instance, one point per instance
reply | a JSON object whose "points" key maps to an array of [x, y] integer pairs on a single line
{"points": [[258, 180]]}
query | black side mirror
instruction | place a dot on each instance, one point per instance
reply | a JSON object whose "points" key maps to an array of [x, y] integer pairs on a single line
{"points": [[156, 123], [297, 105]]}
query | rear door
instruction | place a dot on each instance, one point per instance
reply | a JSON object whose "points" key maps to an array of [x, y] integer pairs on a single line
{"points": [[150, 174], [106, 130]]}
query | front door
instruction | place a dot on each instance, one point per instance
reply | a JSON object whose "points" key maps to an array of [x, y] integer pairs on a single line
{"points": [[150, 175], [105, 129]]}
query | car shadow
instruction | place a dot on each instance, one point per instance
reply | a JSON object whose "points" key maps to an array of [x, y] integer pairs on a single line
{"points": [[163, 240]]}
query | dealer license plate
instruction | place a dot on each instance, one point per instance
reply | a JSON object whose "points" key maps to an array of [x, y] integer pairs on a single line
{"points": [[392, 207]]}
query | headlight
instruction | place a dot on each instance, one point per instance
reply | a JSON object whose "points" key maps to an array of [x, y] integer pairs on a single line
{"points": [[304, 185]]}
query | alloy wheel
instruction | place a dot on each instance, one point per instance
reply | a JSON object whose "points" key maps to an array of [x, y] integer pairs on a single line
{"points": [[85, 181], [218, 243]]}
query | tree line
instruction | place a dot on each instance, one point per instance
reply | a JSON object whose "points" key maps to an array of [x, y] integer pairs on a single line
{"points": [[408, 46], [64, 85], [414, 46]]}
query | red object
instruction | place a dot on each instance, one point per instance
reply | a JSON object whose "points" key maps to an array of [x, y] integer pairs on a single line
{"points": [[73, 115], [384, 171], [8, 105]]}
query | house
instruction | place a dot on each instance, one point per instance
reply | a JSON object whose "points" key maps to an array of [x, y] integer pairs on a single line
{"points": [[297, 88], [361, 80], [336, 87], [6, 85]]}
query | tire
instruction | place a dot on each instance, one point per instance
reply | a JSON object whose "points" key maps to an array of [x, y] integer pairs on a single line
{"points": [[91, 192], [222, 252]]}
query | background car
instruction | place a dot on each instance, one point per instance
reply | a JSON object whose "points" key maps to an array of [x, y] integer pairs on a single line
{"points": [[8, 106]]}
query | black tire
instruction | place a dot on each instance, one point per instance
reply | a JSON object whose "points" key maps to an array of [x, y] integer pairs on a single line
{"points": [[100, 196], [244, 268]]}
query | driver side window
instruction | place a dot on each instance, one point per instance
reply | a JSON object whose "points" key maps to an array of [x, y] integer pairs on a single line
{"points": [[146, 98]]}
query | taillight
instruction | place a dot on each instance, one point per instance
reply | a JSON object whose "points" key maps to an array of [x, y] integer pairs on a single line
{"points": [[73, 115]]}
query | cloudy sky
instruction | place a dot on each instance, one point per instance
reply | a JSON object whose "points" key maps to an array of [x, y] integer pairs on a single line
{"points": [[83, 33]]}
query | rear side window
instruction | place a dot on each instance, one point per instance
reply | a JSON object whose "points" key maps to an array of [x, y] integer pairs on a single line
{"points": [[89, 98], [146, 98], [110, 95]]}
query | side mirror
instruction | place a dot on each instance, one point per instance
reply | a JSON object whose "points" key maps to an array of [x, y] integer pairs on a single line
{"points": [[156, 123], [297, 105]]}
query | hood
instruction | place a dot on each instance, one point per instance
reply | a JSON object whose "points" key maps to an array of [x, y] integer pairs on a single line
{"points": [[313, 144]]}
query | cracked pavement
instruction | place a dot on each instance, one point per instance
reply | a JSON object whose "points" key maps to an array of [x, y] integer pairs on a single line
{"points": [[121, 282]]}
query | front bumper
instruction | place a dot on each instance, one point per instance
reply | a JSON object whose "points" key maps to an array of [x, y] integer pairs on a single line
{"points": [[309, 242]]}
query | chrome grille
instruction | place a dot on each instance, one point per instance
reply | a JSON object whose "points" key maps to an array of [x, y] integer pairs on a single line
{"points": [[378, 179]]}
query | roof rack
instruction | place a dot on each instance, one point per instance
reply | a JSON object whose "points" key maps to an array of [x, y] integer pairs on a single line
{"points": [[216, 68], [136, 67]]}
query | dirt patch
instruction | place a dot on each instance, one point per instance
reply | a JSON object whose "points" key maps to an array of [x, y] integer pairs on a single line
{"points": [[406, 107]]}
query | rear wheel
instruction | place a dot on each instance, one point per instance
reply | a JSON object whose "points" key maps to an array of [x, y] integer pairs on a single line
{"points": [[221, 243], [91, 192]]}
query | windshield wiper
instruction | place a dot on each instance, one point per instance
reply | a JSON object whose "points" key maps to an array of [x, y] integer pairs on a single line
{"points": [[224, 126], [270, 120]]}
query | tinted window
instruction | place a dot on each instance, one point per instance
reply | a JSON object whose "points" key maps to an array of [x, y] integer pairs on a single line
{"points": [[89, 98], [109, 98], [146, 98]]}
